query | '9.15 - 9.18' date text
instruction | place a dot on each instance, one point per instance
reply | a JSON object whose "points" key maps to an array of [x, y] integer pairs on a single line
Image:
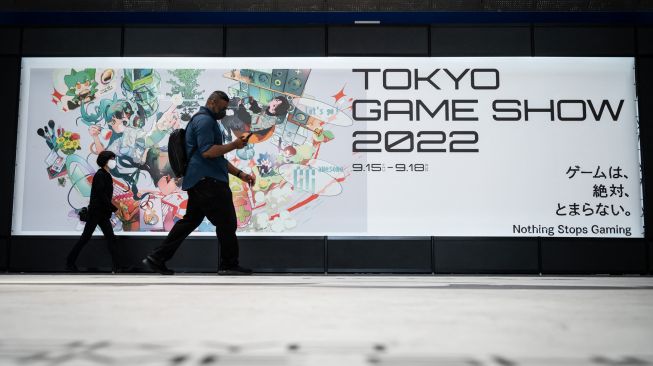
{"points": [[398, 167]]}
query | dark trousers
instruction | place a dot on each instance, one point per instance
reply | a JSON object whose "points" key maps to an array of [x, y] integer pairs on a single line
{"points": [[208, 198], [105, 225]]}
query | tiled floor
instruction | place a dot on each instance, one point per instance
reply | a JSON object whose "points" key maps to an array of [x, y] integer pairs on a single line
{"points": [[325, 320]]}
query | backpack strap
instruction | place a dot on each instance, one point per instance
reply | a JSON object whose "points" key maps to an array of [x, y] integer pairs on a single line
{"points": [[192, 151]]}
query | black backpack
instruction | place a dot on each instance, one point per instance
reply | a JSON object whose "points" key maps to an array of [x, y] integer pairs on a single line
{"points": [[177, 150]]}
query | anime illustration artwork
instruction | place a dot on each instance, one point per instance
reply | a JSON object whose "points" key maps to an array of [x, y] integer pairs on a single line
{"points": [[132, 112]]}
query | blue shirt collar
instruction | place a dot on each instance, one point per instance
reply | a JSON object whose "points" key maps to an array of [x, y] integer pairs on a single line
{"points": [[210, 112]]}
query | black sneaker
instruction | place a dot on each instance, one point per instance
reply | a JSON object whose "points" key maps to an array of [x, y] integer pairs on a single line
{"points": [[234, 271], [156, 266]]}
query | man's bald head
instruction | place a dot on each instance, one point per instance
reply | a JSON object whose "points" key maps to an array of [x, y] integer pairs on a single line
{"points": [[218, 95]]}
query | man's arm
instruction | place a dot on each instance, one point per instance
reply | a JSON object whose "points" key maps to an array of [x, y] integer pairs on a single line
{"points": [[249, 178], [219, 150], [206, 140], [233, 170]]}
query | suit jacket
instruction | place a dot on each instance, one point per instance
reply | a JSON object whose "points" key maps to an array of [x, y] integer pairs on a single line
{"points": [[100, 205]]}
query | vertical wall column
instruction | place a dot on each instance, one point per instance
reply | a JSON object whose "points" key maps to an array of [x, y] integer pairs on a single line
{"points": [[10, 76], [469, 254], [279, 254], [645, 98], [378, 254], [588, 255]]}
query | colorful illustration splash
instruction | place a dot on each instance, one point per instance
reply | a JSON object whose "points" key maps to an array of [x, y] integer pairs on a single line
{"points": [[132, 112]]}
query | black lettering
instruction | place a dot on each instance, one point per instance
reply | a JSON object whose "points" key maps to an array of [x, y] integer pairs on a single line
{"points": [[396, 87], [456, 80], [516, 111], [377, 140], [455, 109], [428, 78], [496, 79], [366, 71], [473, 141], [419, 105], [422, 143], [606, 104], [581, 118], [529, 110], [389, 103], [403, 136], [376, 112]]}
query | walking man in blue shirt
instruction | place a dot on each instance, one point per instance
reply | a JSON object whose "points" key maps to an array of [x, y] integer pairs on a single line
{"points": [[207, 183]]}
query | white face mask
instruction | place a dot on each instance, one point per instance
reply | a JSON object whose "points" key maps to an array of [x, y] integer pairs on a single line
{"points": [[111, 164]]}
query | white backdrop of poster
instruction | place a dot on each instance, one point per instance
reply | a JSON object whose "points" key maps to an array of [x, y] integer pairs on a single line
{"points": [[367, 146]]}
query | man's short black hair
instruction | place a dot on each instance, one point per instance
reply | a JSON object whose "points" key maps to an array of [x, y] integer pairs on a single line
{"points": [[218, 94], [104, 157]]}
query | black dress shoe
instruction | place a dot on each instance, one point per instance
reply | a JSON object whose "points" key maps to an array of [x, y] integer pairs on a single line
{"points": [[234, 271], [156, 266], [71, 267]]}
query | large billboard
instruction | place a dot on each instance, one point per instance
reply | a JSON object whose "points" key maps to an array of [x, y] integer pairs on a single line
{"points": [[517, 146]]}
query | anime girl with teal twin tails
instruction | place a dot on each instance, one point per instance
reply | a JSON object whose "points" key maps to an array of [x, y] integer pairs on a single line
{"points": [[136, 148]]}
